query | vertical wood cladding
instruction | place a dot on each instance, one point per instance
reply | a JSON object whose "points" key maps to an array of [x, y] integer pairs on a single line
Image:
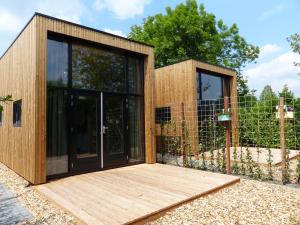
{"points": [[23, 74]]}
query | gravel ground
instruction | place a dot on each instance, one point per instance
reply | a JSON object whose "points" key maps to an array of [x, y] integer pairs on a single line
{"points": [[42, 210], [247, 203]]}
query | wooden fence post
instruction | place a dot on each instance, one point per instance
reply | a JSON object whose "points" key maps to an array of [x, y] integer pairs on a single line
{"points": [[227, 128], [282, 136]]}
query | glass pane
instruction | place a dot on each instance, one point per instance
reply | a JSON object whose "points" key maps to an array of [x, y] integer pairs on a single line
{"points": [[84, 126], [135, 75], [211, 87], [97, 69], [17, 113], [57, 63], [113, 106], [57, 154], [136, 129]]}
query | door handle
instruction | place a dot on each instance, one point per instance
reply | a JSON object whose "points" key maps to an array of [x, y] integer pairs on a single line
{"points": [[104, 128]]}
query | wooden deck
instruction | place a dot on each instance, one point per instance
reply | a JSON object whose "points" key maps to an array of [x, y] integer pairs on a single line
{"points": [[132, 194]]}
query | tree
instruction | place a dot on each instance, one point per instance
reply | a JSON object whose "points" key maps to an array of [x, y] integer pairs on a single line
{"points": [[268, 96], [294, 41], [188, 31], [287, 94], [4, 99]]}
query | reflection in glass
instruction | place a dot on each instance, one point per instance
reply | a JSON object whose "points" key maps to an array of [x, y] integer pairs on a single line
{"points": [[57, 63], [84, 126], [113, 106], [136, 129], [97, 69], [57, 154], [211, 87], [135, 75]]}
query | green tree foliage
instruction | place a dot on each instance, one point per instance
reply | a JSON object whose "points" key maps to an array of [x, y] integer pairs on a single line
{"points": [[188, 31], [4, 99], [259, 125], [294, 41]]}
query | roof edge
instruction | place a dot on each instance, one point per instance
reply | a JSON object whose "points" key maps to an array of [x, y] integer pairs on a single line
{"points": [[193, 59], [71, 23]]}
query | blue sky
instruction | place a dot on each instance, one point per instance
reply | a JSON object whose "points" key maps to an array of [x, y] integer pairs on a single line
{"points": [[263, 23]]}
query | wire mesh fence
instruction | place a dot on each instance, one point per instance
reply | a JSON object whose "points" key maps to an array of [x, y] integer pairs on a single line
{"points": [[259, 138]]}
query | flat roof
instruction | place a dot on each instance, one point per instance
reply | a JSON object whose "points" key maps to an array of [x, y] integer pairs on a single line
{"points": [[187, 59], [74, 24]]}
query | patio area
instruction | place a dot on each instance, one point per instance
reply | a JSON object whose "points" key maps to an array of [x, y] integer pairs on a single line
{"points": [[134, 194]]}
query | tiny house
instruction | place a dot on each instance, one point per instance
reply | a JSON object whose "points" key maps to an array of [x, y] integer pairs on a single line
{"points": [[192, 91], [82, 101]]}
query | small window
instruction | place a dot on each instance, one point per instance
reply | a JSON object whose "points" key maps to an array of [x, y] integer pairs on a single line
{"points": [[162, 115], [17, 112], [0, 118]]}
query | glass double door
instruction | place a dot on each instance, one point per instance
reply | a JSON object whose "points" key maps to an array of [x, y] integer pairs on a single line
{"points": [[97, 126]]}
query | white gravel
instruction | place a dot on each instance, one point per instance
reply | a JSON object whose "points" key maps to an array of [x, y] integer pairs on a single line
{"points": [[43, 211], [247, 203]]}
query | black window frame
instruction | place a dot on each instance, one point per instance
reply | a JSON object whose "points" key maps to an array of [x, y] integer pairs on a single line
{"points": [[70, 40], [17, 113], [224, 79], [163, 114]]}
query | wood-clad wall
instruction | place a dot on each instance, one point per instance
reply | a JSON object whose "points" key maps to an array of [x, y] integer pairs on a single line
{"points": [[175, 87], [18, 78], [23, 74]]}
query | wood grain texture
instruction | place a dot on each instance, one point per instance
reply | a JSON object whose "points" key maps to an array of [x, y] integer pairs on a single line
{"points": [[18, 78], [176, 84], [132, 194], [23, 72]]}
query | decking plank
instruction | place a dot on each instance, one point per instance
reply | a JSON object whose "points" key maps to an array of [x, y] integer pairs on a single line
{"points": [[131, 194]]}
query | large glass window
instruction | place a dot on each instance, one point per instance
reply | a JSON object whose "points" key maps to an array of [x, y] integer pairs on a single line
{"points": [[98, 69], [211, 87], [135, 78], [136, 130], [57, 81], [57, 152], [57, 63]]}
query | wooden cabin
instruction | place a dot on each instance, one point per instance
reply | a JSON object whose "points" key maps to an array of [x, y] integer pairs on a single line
{"points": [[82, 101], [188, 92]]}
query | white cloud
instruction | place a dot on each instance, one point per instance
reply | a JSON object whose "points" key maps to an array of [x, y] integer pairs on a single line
{"points": [[63, 9], [274, 10], [276, 72], [9, 22], [123, 9], [269, 49], [116, 32]]}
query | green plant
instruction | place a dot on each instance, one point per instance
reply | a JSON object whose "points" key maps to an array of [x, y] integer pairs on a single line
{"points": [[223, 170], [243, 168], [187, 148], [203, 165], [235, 166], [4, 99], [270, 161], [298, 169], [249, 162], [285, 170]]}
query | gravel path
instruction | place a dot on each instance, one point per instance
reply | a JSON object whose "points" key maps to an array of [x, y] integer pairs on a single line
{"points": [[247, 203], [42, 210]]}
